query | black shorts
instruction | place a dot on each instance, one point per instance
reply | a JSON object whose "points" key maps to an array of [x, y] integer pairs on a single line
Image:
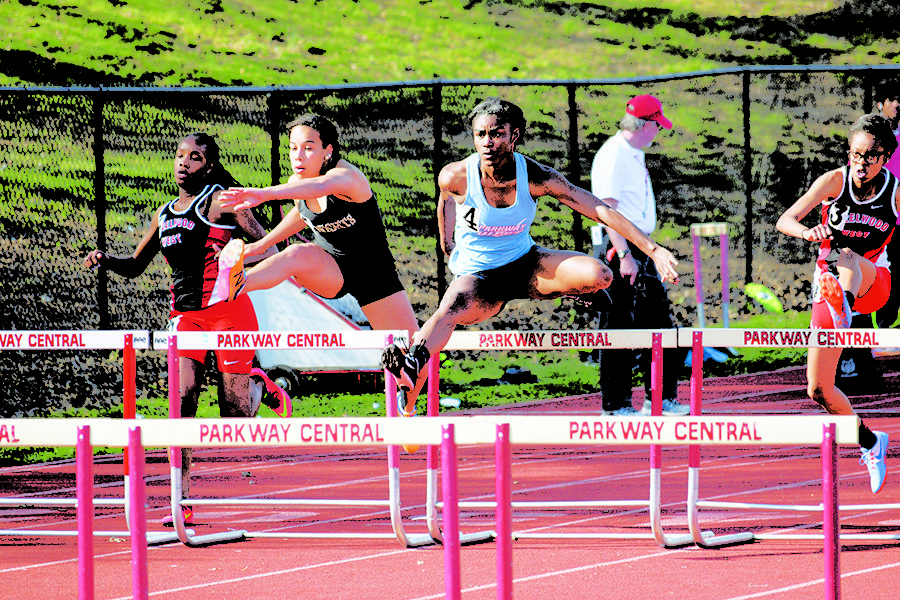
{"points": [[511, 281], [369, 279]]}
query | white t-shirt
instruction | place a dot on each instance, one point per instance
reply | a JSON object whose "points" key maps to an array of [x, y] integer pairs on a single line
{"points": [[619, 172]]}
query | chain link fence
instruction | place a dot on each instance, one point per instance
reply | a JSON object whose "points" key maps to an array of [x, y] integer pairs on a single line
{"points": [[86, 168]]}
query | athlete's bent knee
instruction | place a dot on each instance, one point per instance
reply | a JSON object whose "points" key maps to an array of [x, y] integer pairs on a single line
{"points": [[817, 395]]}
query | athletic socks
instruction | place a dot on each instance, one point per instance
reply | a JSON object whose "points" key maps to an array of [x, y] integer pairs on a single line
{"points": [[867, 439]]}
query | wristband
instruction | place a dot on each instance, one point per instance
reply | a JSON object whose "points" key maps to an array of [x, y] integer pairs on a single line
{"points": [[623, 253]]}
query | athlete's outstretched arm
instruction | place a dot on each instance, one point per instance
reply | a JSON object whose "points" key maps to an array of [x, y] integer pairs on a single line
{"points": [[546, 181], [130, 266], [344, 181], [291, 224]]}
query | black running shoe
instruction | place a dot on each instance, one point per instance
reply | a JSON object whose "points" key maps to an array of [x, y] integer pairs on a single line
{"points": [[405, 367]]}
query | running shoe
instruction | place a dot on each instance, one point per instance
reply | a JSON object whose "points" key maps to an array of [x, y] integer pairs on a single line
{"points": [[873, 458], [187, 517], [625, 411], [405, 367], [274, 396], [230, 281], [401, 410], [832, 294], [670, 408]]}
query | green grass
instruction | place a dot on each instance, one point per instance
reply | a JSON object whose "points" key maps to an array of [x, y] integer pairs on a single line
{"points": [[238, 42]]}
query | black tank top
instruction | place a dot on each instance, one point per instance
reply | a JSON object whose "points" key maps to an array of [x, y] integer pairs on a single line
{"points": [[189, 243], [864, 226], [348, 228]]}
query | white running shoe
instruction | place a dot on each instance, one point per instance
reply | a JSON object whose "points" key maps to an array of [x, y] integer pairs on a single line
{"points": [[625, 411], [873, 458], [670, 408]]}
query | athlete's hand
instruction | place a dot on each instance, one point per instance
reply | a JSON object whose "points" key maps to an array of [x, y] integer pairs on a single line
{"points": [[253, 249], [819, 233], [240, 198], [628, 268], [93, 259], [665, 263]]}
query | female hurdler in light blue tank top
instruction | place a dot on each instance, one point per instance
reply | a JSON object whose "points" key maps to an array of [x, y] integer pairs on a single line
{"points": [[486, 236]]}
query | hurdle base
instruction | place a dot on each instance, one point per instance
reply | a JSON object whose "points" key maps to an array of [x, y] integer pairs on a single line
{"points": [[215, 538], [478, 537], [708, 540], [417, 540], [164, 537]]}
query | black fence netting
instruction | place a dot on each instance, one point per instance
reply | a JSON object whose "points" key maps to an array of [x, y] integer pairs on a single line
{"points": [[86, 168]]}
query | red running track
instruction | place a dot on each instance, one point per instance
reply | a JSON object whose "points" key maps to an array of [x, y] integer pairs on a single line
{"points": [[45, 568]]}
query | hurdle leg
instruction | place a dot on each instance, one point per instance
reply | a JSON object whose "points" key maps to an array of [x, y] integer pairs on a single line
{"points": [[129, 405], [726, 276], [503, 511], [830, 516], [186, 536], [84, 487], [434, 528], [666, 541], [393, 456], [431, 452], [452, 590], [698, 278], [139, 579], [704, 539]]}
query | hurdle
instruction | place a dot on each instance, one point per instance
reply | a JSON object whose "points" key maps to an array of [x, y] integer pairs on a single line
{"points": [[699, 230], [584, 340], [56, 340], [321, 340], [771, 338], [824, 431], [448, 433]]}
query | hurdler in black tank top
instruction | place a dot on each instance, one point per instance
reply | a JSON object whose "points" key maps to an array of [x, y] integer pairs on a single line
{"points": [[353, 233], [346, 229]]}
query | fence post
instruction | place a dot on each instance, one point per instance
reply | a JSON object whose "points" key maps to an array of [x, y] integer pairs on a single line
{"points": [[437, 158], [274, 125], [578, 237], [100, 205]]}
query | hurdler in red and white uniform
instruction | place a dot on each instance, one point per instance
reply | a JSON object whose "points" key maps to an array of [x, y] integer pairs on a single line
{"points": [[865, 227], [200, 290]]}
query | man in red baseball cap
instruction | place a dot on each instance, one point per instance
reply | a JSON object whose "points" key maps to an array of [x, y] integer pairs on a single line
{"points": [[648, 108], [620, 178]]}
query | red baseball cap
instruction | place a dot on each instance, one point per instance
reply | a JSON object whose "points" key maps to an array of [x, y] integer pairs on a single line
{"points": [[649, 108]]}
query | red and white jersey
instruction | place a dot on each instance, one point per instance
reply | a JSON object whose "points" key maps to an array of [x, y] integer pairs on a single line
{"points": [[189, 242], [863, 226]]}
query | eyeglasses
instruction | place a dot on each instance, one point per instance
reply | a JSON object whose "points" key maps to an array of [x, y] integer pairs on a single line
{"points": [[870, 158]]}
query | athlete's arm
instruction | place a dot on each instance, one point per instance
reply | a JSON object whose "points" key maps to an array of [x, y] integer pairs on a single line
{"points": [[130, 266], [452, 184], [826, 187], [546, 181], [291, 224], [344, 181]]}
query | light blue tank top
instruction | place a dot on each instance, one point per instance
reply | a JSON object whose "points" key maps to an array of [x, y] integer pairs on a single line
{"points": [[488, 237]]}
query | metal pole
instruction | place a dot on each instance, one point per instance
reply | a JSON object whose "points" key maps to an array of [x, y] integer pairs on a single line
{"points": [[748, 183]]}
